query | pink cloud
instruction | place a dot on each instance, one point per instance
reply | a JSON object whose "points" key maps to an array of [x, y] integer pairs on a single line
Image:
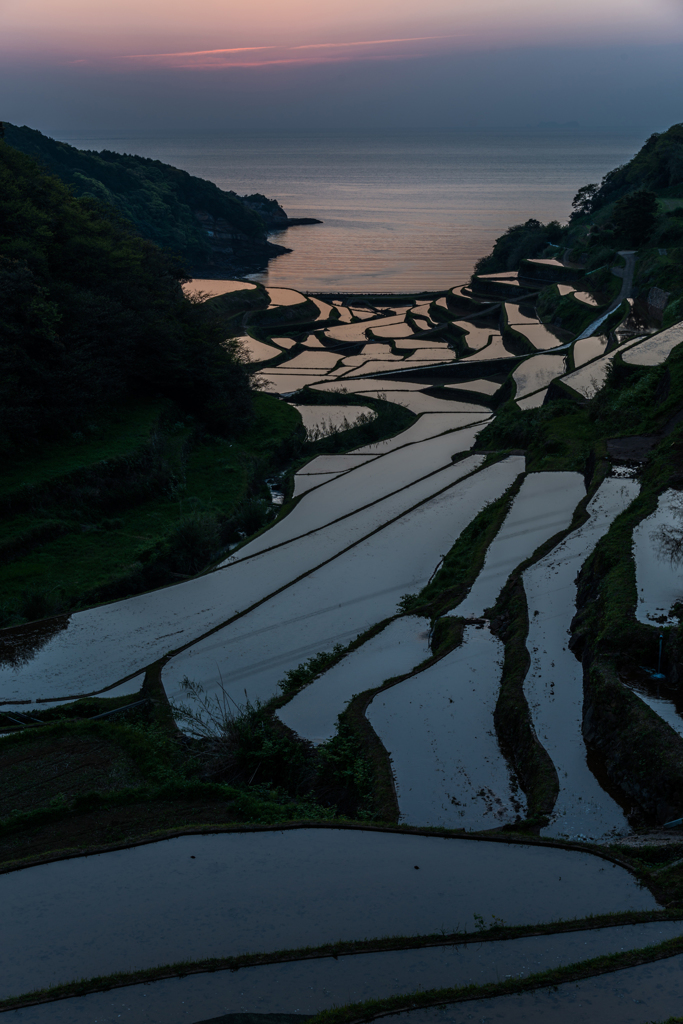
{"points": [[233, 57]]}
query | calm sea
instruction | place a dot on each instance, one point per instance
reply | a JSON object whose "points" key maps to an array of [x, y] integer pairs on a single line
{"points": [[400, 211]]}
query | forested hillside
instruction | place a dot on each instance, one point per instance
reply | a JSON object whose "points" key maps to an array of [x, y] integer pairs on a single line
{"points": [[91, 314], [636, 206], [215, 233]]}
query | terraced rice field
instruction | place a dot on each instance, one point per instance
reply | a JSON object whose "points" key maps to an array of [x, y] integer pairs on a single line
{"points": [[351, 564]]}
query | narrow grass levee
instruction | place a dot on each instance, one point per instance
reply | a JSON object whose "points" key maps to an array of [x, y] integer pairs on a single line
{"points": [[463, 563], [372, 775], [514, 727]]}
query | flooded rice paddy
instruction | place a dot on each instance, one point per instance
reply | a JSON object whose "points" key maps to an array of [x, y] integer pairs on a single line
{"points": [[438, 729], [544, 505], [554, 683], [258, 351], [439, 725], [372, 481], [588, 349], [401, 645], [320, 420], [539, 336], [533, 401], [212, 288], [537, 372], [637, 995], [589, 379], [653, 351], [495, 349], [662, 701], [342, 598], [658, 577], [367, 528], [428, 425], [246, 892], [309, 986]]}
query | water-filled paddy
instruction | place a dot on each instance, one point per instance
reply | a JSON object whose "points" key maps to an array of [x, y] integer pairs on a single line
{"points": [[340, 599], [347, 332], [426, 355], [309, 986], [486, 387], [438, 725], [658, 579], [544, 505], [587, 349], [586, 298], [400, 646], [310, 361], [361, 386], [655, 350], [554, 683], [539, 336], [261, 891], [418, 402], [428, 425], [258, 351], [334, 463], [320, 420], [114, 640], [303, 483], [375, 366], [476, 337], [536, 373], [494, 350], [589, 379], [288, 383], [533, 401], [372, 481], [391, 331], [514, 316], [663, 704], [637, 995], [285, 296]]}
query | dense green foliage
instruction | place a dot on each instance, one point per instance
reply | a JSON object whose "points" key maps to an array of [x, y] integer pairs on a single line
{"points": [[637, 206], [91, 314], [146, 497], [520, 242], [657, 166], [634, 218], [188, 215]]}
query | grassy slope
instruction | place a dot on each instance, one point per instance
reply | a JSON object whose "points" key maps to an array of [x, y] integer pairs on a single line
{"points": [[100, 543]]}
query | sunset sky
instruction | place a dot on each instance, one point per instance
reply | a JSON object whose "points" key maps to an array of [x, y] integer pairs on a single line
{"points": [[71, 63]]}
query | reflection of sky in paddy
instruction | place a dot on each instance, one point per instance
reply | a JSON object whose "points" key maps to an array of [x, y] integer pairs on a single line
{"points": [[246, 892], [554, 683], [312, 985]]}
